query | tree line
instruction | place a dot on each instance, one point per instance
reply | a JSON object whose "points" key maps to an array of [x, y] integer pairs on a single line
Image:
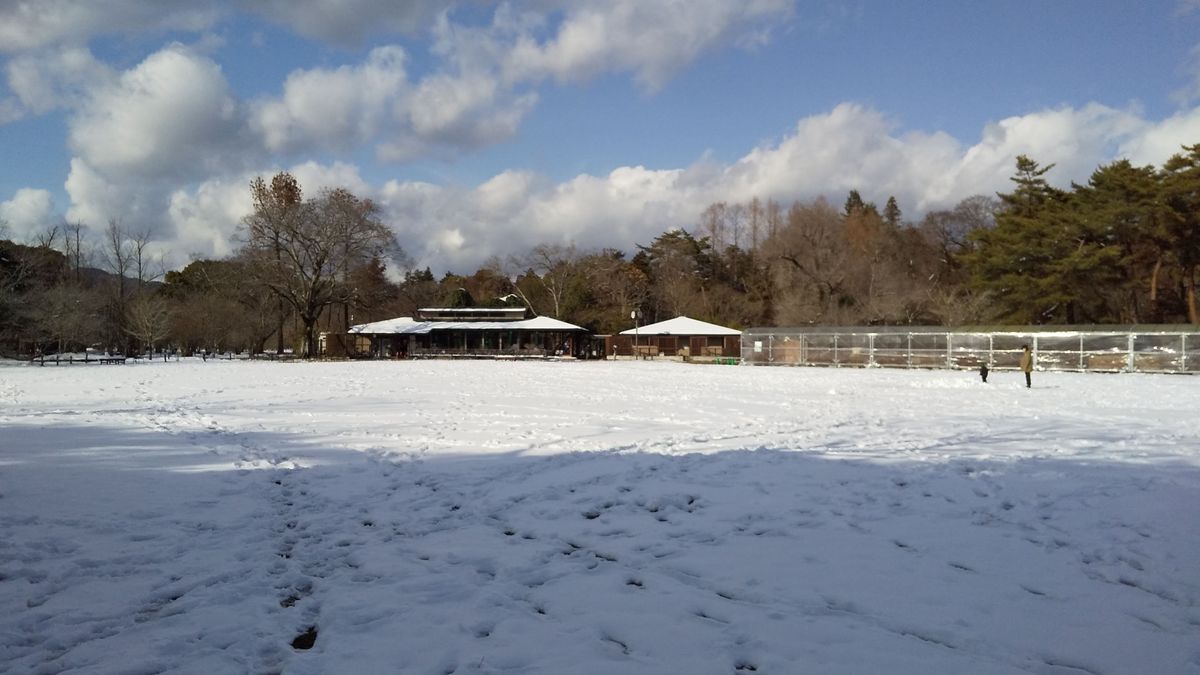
{"points": [[1123, 248]]}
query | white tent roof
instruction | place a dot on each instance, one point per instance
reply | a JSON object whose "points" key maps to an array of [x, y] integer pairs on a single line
{"points": [[405, 325], [682, 325]]}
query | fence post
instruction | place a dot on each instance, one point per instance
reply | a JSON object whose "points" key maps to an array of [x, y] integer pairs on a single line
{"points": [[836, 360], [949, 350], [871, 349], [1081, 352], [1130, 365], [1183, 351], [909, 354], [991, 350], [771, 348]]}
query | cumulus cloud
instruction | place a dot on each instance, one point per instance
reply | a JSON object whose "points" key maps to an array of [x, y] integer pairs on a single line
{"points": [[481, 91], [56, 79], [336, 108], [850, 147], [1157, 142], [27, 213], [653, 40], [171, 115], [174, 112], [204, 221], [95, 199], [454, 227]]}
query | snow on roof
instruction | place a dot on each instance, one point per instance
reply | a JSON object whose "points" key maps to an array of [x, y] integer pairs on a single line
{"points": [[544, 323], [474, 310], [397, 325], [682, 325], [408, 326]]}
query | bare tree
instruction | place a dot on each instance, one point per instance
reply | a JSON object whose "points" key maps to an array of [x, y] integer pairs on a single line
{"points": [[756, 218], [511, 270], [713, 224], [47, 236], [300, 249], [148, 320], [620, 282], [67, 315], [74, 245], [812, 248], [556, 267], [146, 266], [735, 220], [117, 255]]}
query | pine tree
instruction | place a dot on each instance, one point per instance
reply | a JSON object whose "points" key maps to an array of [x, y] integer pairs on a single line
{"points": [[1119, 207], [1181, 196], [1039, 262], [891, 213]]}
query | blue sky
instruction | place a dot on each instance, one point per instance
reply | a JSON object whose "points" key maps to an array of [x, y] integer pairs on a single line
{"points": [[485, 128]]}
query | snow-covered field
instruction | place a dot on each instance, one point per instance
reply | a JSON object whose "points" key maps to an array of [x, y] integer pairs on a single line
{"points": [[559, 518]]}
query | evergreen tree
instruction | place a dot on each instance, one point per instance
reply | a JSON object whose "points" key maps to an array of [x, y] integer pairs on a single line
{"points": [[891, 213], [1181, 196], [1023, 261], [854, 204], [1119, 207]]}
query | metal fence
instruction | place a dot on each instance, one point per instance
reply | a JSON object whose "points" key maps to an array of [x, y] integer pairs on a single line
{"points": [[1136, 349]]}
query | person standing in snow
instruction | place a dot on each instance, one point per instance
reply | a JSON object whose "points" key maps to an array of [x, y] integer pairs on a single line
{"points": [[1027, 365]]}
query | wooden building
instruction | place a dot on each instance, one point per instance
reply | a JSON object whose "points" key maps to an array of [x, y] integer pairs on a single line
{"points": [[473, 332], [681, 337]]}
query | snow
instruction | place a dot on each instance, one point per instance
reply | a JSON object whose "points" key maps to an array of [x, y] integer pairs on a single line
{"points": [[599, 517]]}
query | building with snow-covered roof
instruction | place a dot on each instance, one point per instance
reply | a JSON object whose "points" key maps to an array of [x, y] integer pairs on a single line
{"points": [[483, 332], [681, 337]]}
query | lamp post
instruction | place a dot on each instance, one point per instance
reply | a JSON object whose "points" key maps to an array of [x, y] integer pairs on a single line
{"points": [[636, 315]]}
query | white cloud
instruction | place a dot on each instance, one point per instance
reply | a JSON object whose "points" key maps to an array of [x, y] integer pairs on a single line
{"points": [[171, 115], [851, 147], [27, 24], [654, 40], [1157, 142], [174, 112], [334, 108], [204, 221], [374, 103], [27, 213], [56, 79], [466, 111], [95, 199]]}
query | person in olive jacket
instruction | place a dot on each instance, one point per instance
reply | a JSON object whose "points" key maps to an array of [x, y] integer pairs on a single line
{"points": [[1027, 365]]}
